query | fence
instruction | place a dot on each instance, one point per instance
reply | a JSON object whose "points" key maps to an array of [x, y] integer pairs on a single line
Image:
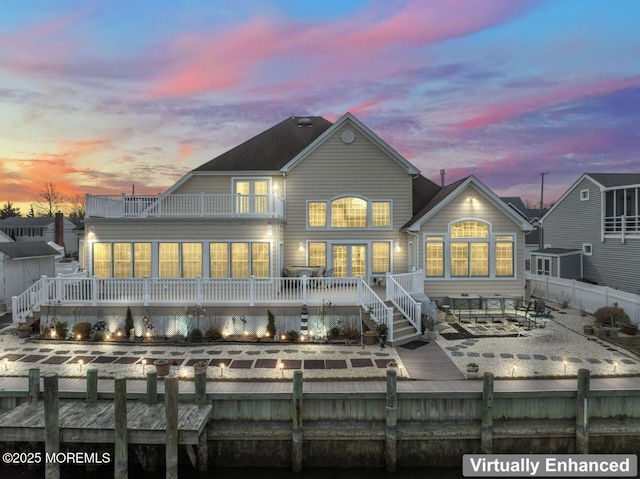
{"points": [[586, 297]]}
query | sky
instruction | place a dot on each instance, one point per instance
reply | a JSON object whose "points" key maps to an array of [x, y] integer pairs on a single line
{"points": [[98, 96]]}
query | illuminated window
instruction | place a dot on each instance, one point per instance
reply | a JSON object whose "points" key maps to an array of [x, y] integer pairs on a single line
{"points": [[470, 229], [122, 260], [252, 196], [102, 260], [191, 260], [434, 262], [169, 260], [381, 214], [459, 259], [381, 257], [317, 214], [318, 254], [142, 260], [504, 255], [260, 260], [219, 260], [239, 260], [349, 212], [471, 257]]}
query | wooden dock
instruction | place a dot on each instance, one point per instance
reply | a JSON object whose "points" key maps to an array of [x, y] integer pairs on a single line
{"points": [[95, 423]]}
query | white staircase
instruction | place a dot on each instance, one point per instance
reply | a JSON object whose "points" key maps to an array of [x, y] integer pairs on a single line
{"points": [[403, 331]]}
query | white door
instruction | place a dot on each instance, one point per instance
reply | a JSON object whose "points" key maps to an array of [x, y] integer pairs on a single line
{"points": [[349, 260]]}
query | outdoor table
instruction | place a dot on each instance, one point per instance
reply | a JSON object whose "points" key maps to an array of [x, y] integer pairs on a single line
{"points": [[293, 271], [460, 302]]}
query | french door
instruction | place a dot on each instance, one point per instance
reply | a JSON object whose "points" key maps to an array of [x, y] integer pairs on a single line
{"points": [[349, 260]]}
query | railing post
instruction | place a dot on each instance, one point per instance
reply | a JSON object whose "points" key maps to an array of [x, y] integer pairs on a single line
{"points": [[51, 423], [34, 385], [94, 290], [304, 288], [14, 310], [582, 412], [391, 445], [59, 287], [124, 205], [486, 433], [389, 323], [296, 453], [202, 205], [252, 290], [388, 286], [199, 290], [145, 290]]}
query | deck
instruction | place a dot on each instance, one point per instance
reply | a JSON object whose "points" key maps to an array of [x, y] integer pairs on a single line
{"points": [[95, 423]]}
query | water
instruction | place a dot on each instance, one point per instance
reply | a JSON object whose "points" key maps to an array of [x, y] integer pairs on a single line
{"points": [[187, 472]]}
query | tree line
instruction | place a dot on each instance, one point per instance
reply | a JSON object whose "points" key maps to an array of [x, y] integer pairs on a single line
{"points": [[49, 201]]}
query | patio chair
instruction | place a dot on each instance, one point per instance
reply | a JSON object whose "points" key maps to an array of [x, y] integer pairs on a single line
{"points": [[328, 274]]}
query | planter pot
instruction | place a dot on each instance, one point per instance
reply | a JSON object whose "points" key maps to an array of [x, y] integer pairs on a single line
{"points": [[600, 332], [162, 367], [432, 335], [629, 328], [370, 339], [24, 333], [613, 332], [588, 330]]}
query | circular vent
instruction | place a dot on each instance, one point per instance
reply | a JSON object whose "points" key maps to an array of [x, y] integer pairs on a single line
{"points": [[348, 136]]}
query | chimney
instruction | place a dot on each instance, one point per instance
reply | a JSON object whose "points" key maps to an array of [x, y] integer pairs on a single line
{"points": [[442, 178], [59, 231]]}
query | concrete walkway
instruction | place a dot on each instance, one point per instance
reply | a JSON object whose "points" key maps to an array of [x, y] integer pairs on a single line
{"points": [[428, 362]]}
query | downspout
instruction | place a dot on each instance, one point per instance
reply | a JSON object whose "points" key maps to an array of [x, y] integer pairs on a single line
{"points": [[415, 243]]}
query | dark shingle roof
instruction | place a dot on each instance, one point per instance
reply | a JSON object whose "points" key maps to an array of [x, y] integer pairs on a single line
{"points": [[27, 249], [557, 251], [271, 149], [612, 180], [27, 222], [433, 202], [423, 191]]}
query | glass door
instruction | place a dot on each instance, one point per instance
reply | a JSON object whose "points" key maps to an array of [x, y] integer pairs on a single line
{"points": [[349, 260]]}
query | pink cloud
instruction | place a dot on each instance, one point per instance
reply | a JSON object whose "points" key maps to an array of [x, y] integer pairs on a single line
{"points": [[501, 112]]}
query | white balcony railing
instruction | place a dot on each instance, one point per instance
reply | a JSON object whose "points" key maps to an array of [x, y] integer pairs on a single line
{"points": [[622, 225], [198, 205]]}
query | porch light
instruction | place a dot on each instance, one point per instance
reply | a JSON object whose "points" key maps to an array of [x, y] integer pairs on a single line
{"points": [[53, 333], [269, 230], [300, 246], [276, 185], [397, 244]]}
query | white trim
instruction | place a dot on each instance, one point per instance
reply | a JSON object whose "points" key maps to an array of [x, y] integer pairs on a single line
{"points": [[587, 249], [369, 226], [583, 196], [375, 139]]}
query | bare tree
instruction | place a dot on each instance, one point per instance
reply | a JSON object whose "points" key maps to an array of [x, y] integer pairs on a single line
{"points": [[50, 200], [77, 207]]}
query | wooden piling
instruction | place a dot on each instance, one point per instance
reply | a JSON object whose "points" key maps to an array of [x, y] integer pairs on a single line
{"points": [[121, 445], [152, 387], [201, 387], [51, 425], [486, 433], [582, 412], [296, 452], [391, 445], [92, 385], [34, 385], [171, 412]]}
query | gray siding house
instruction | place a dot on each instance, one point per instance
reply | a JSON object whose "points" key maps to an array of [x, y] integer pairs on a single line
{"points": [[598, 222]]}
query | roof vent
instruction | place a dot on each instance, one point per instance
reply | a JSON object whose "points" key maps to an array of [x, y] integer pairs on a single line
{"points": [[304, 122]]}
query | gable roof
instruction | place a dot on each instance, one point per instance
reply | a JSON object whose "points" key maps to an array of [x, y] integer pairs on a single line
{"points": [[366, 132], [446, 194], [20, 222], [614, 180], [423, 191], [27, 249], [272, 149]]}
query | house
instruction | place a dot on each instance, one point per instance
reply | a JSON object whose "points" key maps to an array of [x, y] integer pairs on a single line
{"points": [[592, 233], [306, 195], [42, 229], [533, 217], [22, 264]]}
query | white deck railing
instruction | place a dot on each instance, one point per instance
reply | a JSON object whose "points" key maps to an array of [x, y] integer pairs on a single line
{"points": [[198, 205], [379, 312], [409, 307]]}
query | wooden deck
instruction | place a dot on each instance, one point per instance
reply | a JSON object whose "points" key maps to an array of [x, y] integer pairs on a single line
{"points": [[94, 423]]}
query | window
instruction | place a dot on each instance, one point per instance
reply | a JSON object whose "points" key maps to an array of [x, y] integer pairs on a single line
{"points": [[587, 249], [102, 260], [239, 260], [584, 195], [381, 257], [252, 196], [318, 254], [349, 212], [141, 260], [219, 260], [191, 260], [471, 257], [169, 260], [434, 256], [544, 266], [122, 260], [260, 260], [317, 214], [504, 255], [381, 214]]}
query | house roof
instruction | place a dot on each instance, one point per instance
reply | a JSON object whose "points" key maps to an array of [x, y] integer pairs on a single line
{"points": [[423, 191], [27, 249], [272, 149], [18, 221], [434, 201], [557, 251], [613, 180]]}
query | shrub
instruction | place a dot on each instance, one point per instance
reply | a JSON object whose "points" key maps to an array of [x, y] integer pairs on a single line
{"points": [[62, 329], [83, 330], [293, 335], [334, 332], [195, 336], [271, 324], [213, 333], [128, 322], [98, 336], [382, 328], [609, 313], [351, 332]]}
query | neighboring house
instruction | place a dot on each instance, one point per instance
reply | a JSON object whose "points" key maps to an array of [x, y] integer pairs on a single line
{"points": [[42, 229], [22, 264], [308, 192], [532, 216], [593, 232]]}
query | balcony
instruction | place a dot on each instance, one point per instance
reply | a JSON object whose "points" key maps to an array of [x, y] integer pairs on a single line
{"points": [[622, 226], [185, 206]]}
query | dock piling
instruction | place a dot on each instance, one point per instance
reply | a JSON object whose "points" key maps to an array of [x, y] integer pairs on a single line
{"points": [[121, 446], [51, 423], [296, 436], [201, 388], [582, 412], [34, 385], [92, 385], [152, 387], [391, 445], [171, 412], [486, 433]]}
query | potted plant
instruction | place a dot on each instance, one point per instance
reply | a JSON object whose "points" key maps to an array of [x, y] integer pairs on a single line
{"points": [[163, 366], [588, 329], [629, 328], [200, 366], [472, 368], [393, 364], [370, 337], [24, 330]]}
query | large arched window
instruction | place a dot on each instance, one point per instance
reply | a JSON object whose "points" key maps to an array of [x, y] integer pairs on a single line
{"points": [[349, 212], [469, 249]]}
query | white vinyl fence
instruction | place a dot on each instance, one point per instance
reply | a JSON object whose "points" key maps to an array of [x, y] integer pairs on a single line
{"points": [[584, 296]]}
